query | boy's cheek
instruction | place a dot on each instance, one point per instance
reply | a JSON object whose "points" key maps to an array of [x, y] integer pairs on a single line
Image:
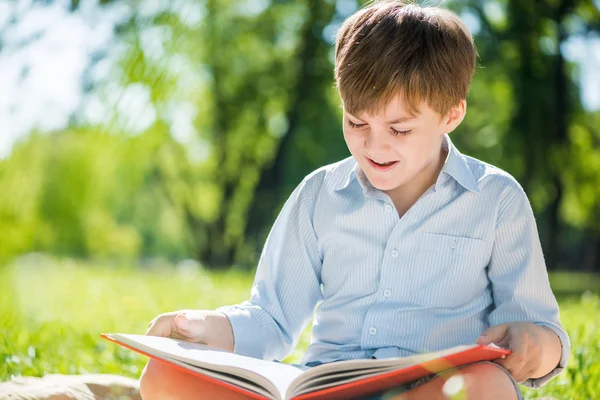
{"points": [[351, 141], [355, 146]]}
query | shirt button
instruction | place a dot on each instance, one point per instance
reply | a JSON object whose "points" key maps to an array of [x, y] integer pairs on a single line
{"points": [[453, 244], [372, 331], [394, 253], [388, 207], [387, 293]]}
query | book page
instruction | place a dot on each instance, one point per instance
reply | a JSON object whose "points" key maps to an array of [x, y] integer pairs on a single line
{"points": [[336, 378], [225, 377], [273, 377], [341, 372], [331, 381]]}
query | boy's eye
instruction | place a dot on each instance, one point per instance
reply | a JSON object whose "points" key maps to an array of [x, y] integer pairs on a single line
{"points": [[353, 125], [403, 133], [394, 131]]}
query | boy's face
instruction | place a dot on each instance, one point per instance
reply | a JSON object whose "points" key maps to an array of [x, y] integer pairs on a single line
{"points": [[407, 145]]}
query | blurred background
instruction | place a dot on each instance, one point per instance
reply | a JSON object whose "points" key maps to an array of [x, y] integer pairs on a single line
{"points": [[146, 147], [146, 129]]}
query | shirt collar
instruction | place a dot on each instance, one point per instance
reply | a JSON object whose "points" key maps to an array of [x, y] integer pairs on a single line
{"points": [[455, 166], [347, 177]]}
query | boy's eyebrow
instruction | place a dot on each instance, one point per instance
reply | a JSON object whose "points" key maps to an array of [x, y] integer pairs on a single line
{"points": [[394, 121], [399, 120]]}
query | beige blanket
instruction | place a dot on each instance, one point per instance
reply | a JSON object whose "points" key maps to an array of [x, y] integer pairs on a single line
{"points": [[71, 387]]}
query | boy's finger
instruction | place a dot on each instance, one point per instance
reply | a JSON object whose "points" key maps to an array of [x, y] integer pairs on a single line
{"points": [[501, 362], [495, 334], [188, 326], [518, 358], [158, 327], [524, 375]]}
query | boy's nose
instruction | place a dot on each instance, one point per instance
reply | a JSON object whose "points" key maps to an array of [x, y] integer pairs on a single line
{"points": [[376, 144]]}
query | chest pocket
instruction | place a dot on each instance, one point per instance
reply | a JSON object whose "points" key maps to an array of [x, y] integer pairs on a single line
{"points": [[449, 270]]}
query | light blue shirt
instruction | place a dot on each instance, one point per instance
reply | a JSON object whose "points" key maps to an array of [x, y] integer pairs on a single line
{"points": [[464, 257]]}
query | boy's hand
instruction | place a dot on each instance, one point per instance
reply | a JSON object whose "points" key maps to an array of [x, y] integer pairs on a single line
{"points": [[185, 325], [199, 326], [525, 340]]}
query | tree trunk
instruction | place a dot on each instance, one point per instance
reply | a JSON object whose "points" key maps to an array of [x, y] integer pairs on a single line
{"points": [[217, 252], [268, 195], [560, 112]]}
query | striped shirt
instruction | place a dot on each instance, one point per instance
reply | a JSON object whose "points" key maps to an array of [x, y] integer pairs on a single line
{"points": [[464, 257]]}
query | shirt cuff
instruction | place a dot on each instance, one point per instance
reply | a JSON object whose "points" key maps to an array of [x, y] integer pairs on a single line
{"points": [[246, 335], [566, 351]]}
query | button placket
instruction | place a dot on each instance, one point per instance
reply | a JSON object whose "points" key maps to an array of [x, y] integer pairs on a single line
{"points": [[453, 244]]}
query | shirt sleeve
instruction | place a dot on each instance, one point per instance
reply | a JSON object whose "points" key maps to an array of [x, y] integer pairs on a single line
{"points": [[287, 285], [517, 270]]}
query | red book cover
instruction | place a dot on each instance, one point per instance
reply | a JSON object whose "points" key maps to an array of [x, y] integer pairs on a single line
{"points": [[380, 383], [357, 388]]}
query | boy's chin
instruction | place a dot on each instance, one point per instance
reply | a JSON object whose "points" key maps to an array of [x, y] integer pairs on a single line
{"points": [[387, 188], [384, 185]]}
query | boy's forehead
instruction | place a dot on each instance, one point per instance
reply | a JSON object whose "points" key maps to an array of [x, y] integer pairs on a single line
{"points": [[394, 111], [394, 118]]}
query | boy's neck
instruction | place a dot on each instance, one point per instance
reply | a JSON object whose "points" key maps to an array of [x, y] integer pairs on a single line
{"points": [[406, 195]]}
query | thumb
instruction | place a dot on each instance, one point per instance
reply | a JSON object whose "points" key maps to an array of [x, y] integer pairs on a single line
{"points": [[189, 327], [494, 334]]}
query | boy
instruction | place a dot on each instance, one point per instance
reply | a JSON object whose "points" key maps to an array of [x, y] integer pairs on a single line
{"points": [[408, 245]]}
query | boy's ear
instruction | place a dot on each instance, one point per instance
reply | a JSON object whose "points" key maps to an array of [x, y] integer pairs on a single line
{"points": [[455, 116]]}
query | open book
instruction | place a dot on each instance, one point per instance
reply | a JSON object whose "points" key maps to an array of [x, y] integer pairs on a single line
{"points": [[261, 379]]}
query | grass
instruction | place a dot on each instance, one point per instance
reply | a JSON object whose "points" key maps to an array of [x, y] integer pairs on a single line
{"points": [[51, 315]]}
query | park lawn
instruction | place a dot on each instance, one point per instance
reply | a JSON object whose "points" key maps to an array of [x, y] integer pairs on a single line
{"points": [[51, 315]]}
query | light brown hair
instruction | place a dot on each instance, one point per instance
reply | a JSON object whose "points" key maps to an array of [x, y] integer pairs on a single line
{"points": [[392, 47]]}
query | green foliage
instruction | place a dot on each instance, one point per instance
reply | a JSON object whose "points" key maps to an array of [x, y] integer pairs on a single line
{"points": [[254, 88], [52, 312], [87, 194], [582, 176]]}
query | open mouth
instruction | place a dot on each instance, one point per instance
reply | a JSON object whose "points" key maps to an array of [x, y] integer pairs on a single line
{"points": [[385, 163], [381, 165]]}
